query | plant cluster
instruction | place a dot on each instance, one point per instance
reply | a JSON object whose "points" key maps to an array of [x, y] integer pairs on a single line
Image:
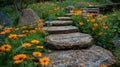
{"points": [[23, 46]]}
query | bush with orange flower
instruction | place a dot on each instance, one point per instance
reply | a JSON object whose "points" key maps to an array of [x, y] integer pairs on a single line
{"points": [[97, 26], [23, 46]]}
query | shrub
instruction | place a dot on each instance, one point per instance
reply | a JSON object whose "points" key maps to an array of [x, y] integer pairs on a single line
{"points": [[98, 27], [22, 46]]}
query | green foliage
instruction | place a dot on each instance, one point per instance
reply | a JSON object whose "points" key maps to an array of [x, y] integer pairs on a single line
{"points": [[102, 37], [6, 57]]}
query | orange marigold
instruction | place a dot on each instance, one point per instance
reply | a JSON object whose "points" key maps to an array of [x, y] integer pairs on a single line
{"points": [[26, 45], [37, 54], [6, 47], [81, 23], [13, 36], [35, 41], [19, 58], [44, 61]]}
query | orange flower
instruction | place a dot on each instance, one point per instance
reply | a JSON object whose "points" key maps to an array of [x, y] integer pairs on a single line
{"points": [[40, 25], [95, 24], [13, 36], [25, 31], [26, 45], [19, 58], [104, 16], [105, 27], [6, 47], [100, 19], [35, 41], [81, 23], [37, 54], [44, 61], [22, 35], [39, 47], [16, 29], [100, 33], [94, 28], [3, 32], [24, 27], [1, 27], [42, 31], [92, 20], [32, 31]]}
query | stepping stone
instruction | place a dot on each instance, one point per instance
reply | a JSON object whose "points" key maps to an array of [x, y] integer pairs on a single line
{"points": [[92, 57], [71, 40], [60, 23], [68, 15], [60, 29], [63, 18]]}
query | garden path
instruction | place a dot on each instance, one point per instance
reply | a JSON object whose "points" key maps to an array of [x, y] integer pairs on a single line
{"points": [[70, 48]]}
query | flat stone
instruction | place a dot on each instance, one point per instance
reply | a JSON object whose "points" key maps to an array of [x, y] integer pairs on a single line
{"points": [[68, 15], [63, 18], [60, 29], [92, 57], [71, 40], [59, 23]]}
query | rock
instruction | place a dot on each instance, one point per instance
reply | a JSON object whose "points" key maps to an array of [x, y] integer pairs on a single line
{"points": [[59, 23], [92, 57], [28, 17], [68, 15], [71, 40], [64, 18], [60, 29]]}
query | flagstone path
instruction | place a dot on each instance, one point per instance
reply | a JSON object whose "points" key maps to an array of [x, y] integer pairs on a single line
{"points": [[63, 40]]}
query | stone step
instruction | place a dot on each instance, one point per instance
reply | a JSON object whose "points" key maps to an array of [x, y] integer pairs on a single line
{"points": [[68, 15], [60, 29], [59, 23], [91, 57], [63, 18], [68, 41]]}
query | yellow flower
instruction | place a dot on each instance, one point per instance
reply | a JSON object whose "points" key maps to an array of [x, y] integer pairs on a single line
{"points": [[3, 32], [22, 35], [19, 58], [44, 61], [1, 27], [35, 41], [94, 28], [81, 23], [32, 31], [42, 31], [16, 29], [92, 20], [25, 31], [100, 33], [6, 47], [100, 19], [13, 36], [105, 27], [24, 27], [104, 16], [26, 45], [39, 47], [37, 54], [102, 65], [95, 24]]}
